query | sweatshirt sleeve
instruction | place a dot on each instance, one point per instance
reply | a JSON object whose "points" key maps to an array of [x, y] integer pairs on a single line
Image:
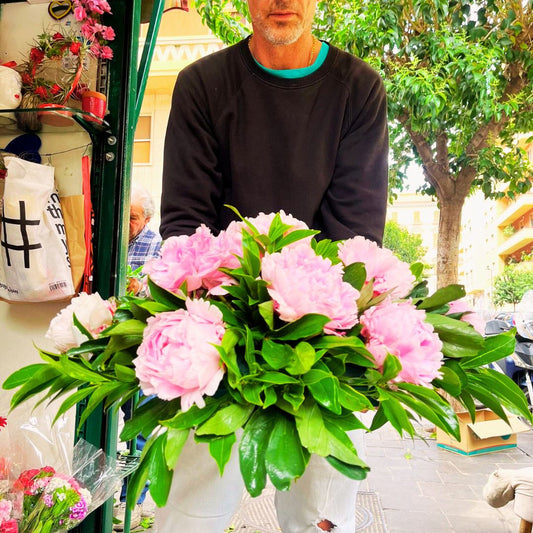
{"points": [[356, 200], [192, 182]]}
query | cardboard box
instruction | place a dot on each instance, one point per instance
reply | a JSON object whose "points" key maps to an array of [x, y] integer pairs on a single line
{"points": [[489, 433]]}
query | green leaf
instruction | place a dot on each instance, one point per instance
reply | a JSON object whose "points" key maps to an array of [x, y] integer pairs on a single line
{"points": [[266, 310], [495, 347], [505, 389], [72, 400], [428, 404], [220, 450], [276, 354], [355, 275], [353, 400], [311, 429], [22, 375], [147, 416], [125, 373], [276, 378], [395, 413], [326, 390], [490, 400], [341, 446], [41, 380], [132, 328], [455, 331], [304, 358], [159, 474], [352, 471], [450, 381], [442, 296], [83, 330], [176, 439], [226, 420], [165, 297], [307, 326], [252, 450], [285, 459], [456, 351], [294, 236], [193, 416], [391, 367]]}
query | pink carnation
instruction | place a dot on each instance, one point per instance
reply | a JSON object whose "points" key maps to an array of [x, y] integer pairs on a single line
{"points": [[380, 263], [476, 320], [195, 259], [5, 510], [177, 357], [301, 282], [400, 329], [9, 526]]}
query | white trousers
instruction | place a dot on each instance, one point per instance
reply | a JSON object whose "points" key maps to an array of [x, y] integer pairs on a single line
{"points": [[201, 501]]}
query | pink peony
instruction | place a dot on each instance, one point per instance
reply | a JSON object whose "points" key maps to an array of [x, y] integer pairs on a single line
{"points": [[177, 358], [192, 258], [400, 329], [476, 320], [91, 310], [262, 223], [301, 282], [380, 263]]}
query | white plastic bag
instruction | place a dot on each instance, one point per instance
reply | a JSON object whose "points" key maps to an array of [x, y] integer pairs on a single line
{"points": [[34, 264]]}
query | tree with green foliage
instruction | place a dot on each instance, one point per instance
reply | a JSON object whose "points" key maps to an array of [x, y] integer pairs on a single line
{"points": [[459, 78], [405, 245], [512, 284]]}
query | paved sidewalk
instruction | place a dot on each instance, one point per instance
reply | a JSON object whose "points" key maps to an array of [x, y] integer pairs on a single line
{"points": [[425, 489]]}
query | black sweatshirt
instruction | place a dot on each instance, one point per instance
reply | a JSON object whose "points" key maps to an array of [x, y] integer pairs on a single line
{"points": [[314, 146]]}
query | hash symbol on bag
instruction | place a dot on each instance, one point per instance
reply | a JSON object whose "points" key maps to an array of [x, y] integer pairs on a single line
{"points": [[23, 222]]}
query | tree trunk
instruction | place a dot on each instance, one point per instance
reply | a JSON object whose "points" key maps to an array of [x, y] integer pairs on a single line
{"points": [[449, 240]]}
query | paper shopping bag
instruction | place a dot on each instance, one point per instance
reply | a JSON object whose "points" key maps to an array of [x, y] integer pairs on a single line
{"points": [[34, 262]]}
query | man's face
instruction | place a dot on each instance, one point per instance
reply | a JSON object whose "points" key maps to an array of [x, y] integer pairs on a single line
{"points": [[282, 22], [137, 220]]}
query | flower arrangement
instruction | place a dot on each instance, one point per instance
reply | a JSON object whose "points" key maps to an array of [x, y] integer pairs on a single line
{"points": [[46, 500], [89, 12], [265, 330], [48, 46], [52, 501]]}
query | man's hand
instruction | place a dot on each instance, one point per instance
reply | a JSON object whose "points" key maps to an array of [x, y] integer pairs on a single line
{"points": [[134, 286]]}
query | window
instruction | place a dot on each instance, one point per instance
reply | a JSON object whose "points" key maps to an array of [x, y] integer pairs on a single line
{"points": [[142, 142], [416, 217]]}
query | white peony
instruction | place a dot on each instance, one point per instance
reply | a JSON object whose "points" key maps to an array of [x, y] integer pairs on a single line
{"points": [[90, 309]]}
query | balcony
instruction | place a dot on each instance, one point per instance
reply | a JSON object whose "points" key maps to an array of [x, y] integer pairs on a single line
{"points": [[516, 242], [516, 209]]}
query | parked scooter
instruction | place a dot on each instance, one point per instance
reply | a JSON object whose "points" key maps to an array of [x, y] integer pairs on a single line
{"points": [[519, 365], [523, 358]]}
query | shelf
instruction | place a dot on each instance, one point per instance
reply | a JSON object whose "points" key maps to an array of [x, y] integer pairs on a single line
{"points": [[60, 120]]}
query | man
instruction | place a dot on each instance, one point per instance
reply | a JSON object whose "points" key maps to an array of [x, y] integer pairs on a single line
{"points": [[144, 244], [278, 121]]}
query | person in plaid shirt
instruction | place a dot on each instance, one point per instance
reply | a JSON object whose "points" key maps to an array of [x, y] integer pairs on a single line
{"points": [[144, 244]]}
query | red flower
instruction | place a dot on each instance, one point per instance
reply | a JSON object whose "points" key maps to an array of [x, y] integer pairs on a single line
{"points": [[57, 36], [42, 92], [9, 526], [3, 422], [56, 89], [27, 79], [75, 48], [36, 55]]}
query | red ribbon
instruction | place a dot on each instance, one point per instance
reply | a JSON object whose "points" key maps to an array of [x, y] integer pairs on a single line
{"points": [[10, 64]]}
